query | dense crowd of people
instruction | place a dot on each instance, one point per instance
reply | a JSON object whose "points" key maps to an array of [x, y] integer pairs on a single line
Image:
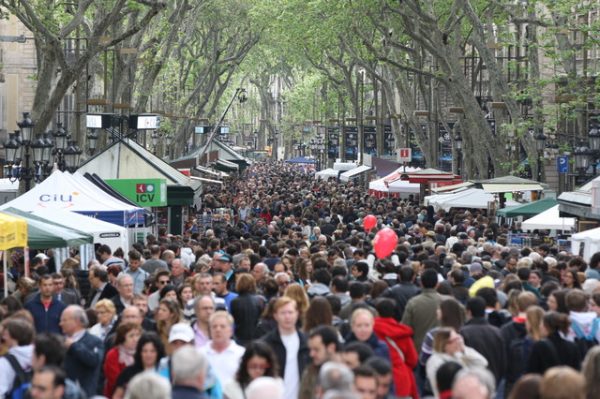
{"points": [[286, 299]]}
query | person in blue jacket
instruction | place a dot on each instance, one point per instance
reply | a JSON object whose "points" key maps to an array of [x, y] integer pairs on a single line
{"points": [[45, 307]]}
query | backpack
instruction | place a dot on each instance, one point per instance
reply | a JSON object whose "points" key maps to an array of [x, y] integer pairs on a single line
{"points": [[518, 353], [21, 381], [584, 342]]}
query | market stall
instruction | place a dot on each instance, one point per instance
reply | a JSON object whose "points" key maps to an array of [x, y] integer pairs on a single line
{"points": [[397, 189], [549, 220], [528, 210], [63, 191], [326, 174], [470, 199], [13, 234], [590, 239], [44, 233]]}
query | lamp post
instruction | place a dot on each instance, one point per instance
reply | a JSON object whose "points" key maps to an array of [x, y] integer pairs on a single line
{"points": [[71, 155], [582, 155], [540, 144], [21, 168], [458, 145], [594, 141], [61, 138], [92, 139]]}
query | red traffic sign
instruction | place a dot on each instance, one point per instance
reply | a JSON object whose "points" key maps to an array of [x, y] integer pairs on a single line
{"points": [[404, 155]]}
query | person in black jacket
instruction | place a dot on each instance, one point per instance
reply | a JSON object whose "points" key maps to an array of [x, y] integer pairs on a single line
{"points": [[289, 345], [100, 288], [83, 360], [246, 309], [486, 339], [403, 291], [554, 350]]}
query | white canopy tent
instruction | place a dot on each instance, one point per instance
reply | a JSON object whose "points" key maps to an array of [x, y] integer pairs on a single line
{"points": [[470, 198], [344, 166], [104, 233], [327, 173], [590, 240], [548, 220], [74, 193], [353, 173], [399, 186]]}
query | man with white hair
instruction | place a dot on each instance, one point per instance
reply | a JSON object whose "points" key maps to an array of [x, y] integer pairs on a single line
{"points": [[474, 383], [188, 371], [222, 352], [85, 352], [125, 296], [265, 387], [148, 385]]}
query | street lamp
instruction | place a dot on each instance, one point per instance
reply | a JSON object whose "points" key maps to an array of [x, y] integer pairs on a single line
{"points": [[71, 155], [26, 127], [540, 144], [92, 139], [14, 148], [582, 157], [458, 145]]}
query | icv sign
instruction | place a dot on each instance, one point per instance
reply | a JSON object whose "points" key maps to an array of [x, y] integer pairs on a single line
{"points": [[144, 192]]}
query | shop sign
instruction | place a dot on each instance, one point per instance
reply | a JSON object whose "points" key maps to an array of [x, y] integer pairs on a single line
{"points": [[144, 192]]}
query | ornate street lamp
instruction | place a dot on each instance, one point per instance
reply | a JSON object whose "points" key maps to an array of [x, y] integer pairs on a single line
{"points": [[458, 144], [26, 127], [71, 155], [594, 138], [39, 150], [92, 140], [60, 137], [582, 157]]}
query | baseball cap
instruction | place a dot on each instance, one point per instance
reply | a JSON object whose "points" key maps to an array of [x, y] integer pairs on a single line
{"points": [[225, 258], [42, 256], [181, 332]]}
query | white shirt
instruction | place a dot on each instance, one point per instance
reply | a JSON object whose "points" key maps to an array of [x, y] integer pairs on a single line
{"points": [[291, 378], [226, 363]]}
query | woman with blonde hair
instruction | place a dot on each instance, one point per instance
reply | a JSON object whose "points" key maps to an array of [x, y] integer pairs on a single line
{"points": [[297, 293], [591, 372], [107, 315], [448, 346], [533, 322], [167, 315]]}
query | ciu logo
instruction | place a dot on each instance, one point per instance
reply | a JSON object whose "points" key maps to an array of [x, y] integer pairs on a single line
{"points": [[58, 199]]}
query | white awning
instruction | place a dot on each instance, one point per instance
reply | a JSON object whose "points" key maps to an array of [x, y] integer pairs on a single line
{"points": [[452, 188], [350, 174], [210, 171], [509, 188], [227, 164], [208, 181]]}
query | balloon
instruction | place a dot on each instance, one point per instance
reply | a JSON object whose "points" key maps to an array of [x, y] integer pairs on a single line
{"points": [[369, 222], [385, 242]]}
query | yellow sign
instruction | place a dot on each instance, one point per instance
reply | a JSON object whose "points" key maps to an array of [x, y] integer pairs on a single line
{"points": [[13, 232]]}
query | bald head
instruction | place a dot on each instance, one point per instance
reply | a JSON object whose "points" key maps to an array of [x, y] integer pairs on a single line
{"points": [[132, 314]]}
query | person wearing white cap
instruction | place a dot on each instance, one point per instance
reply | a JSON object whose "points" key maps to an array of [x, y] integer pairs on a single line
{"points": [[182, 335]]}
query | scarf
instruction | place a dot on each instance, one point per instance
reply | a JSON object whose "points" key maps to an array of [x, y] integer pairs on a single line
{"points": [[126, 356]]}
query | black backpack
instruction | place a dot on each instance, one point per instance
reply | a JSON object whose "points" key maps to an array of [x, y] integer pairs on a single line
{"points": [[22, 378]]}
